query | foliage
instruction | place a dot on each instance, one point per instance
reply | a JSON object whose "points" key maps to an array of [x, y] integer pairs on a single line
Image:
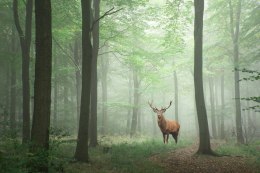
{"points": [[15, 157]]}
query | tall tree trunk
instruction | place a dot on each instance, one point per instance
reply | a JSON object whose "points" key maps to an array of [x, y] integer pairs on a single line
{"points": [[7, 99], [93, 119], [216, 94], [136, 104], [81, 153], [13, 99], [212, 105], [129, 102], [176, 96], [78, 80], [25, 41], [235, 37], [222, 126], [204, 145], [55, 97], [104, 64], [43, 69], [13, 89]]}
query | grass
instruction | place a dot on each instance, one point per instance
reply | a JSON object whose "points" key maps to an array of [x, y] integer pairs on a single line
{"points": [[115, 154], [251, 150], [125, 156]]}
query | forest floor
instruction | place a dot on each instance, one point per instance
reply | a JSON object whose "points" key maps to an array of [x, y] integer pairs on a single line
{"points": [[184, 160]]}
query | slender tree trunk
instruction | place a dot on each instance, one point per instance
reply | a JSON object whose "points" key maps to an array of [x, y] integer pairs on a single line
{"points": [[212, 105], [217, 108], [43, 68], [176, 96], [13, 89], [25, 41], [7, 99], [222, 126], [93, 119], [104, 63], [81, 153], [129, 102], [78, 80], [55, 97], [136, 104], [13, 99], [139, 119], [204, 145], [235, 37]]}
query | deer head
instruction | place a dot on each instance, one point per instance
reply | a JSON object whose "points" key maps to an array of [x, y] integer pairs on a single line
{"points": [[161, 111]]}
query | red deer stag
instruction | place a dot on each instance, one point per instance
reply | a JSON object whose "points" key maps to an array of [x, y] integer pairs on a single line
{"points": [[167, 126]]}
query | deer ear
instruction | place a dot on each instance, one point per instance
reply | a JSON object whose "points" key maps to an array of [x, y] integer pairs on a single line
{"points": [[164, 110], [155, 110]]}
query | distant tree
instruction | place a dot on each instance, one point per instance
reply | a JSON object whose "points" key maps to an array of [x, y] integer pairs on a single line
{"points": [[25, 42], [81, 153], [204, 145], [13, 90], [212, 107], [235, 32]]}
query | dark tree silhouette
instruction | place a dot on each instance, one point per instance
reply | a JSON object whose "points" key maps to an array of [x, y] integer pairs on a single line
{"points": [[81, 153], [204, 145], [25, 42]]}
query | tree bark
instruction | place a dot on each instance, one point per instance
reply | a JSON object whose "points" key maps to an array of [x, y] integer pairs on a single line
{"points": [[104, 64], [176, 97], [212, 105], [43, 69], [235, 38], [25, 42], [222, 124], [78, 80], [93, 120], [81, 153], [129, 102], [204, 145], [55, 96], [136, 103]]}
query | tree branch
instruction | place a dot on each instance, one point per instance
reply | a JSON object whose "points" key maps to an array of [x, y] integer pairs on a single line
{"points": [[109, 12], [16, 20]]}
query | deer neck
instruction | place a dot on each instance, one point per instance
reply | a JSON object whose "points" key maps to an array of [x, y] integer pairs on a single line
{"points": [[162, 123]]}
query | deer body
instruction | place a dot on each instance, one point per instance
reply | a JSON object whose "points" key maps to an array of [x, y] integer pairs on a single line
{"points": [[166, 126]]}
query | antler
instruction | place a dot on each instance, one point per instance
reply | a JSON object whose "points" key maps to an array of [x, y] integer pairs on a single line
{"points": [[168, 106], [150, 104]]}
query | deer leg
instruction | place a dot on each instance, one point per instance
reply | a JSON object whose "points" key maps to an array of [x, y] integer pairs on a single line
{"points": [[167, 138], [163, 138], [175, 136]]}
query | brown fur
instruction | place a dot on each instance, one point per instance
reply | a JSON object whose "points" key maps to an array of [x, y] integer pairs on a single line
{"points": [[167, 126]]}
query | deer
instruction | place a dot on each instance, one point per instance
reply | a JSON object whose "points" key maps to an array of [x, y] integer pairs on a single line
{"points": [[167, 126]]}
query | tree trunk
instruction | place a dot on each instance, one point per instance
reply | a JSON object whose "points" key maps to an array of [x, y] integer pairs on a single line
{"points": [[81, 153], [7, 99], [235, 38], [104, 63], [212, 105], [13, 89], [25, 42], [204, 145], [129, 102], [78, 80], [55, 97], [43, 68], [222, 126], [136, 103], [176, 96], [13, 99], [93, 119]]}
